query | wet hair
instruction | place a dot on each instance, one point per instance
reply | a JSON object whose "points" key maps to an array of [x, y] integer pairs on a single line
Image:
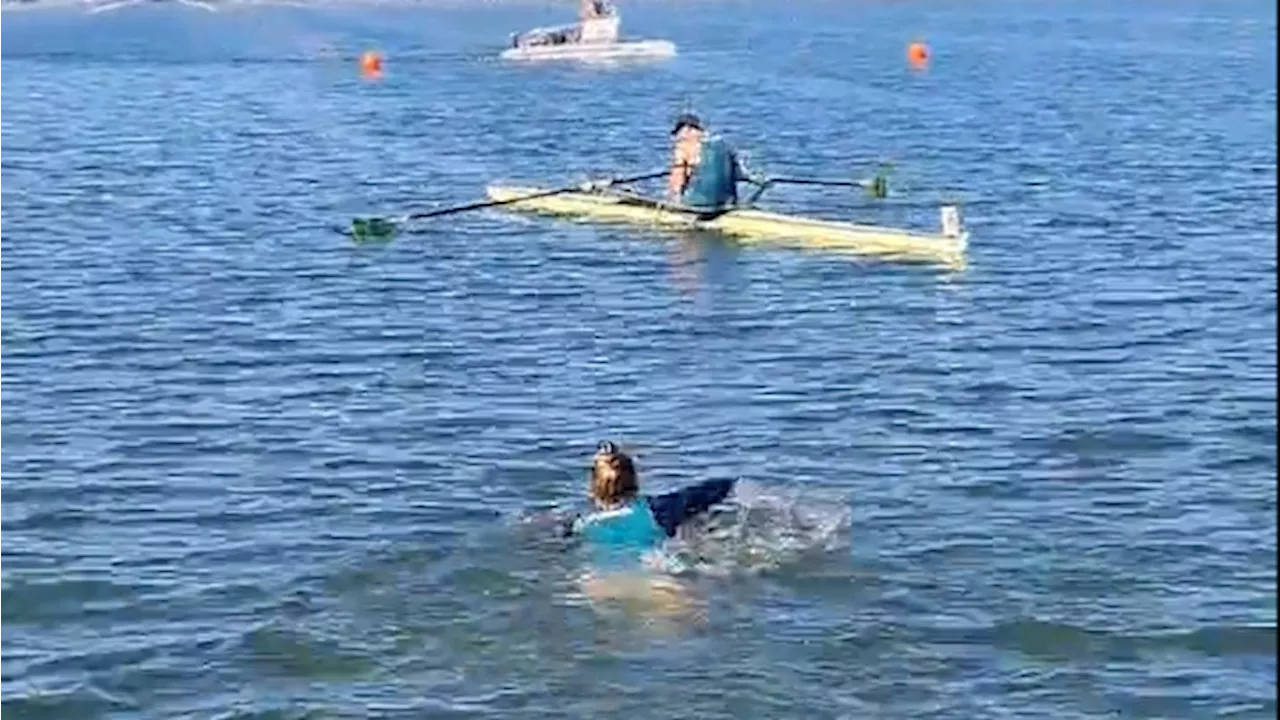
{"points": [[613, 475]]}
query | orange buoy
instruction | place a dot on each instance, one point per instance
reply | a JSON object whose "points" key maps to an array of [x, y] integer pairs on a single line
{"points": [[918, 55], [371, 64]]}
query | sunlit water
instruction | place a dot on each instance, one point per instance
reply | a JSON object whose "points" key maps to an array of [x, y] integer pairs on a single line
{"points": [[251, 470]]}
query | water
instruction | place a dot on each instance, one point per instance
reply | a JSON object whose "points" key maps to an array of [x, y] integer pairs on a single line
{"points": [[252, 471]]}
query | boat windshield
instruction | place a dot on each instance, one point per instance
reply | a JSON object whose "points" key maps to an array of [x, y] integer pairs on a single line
{"points": [[547, 36]]}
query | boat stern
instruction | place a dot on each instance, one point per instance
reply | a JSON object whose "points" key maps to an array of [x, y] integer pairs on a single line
{"points": [[952, 222]]}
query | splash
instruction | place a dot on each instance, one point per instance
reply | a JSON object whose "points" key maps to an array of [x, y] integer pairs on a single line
{"points": [[764, 529], [760, 529]]}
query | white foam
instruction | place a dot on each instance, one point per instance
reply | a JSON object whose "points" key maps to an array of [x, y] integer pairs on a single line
{"points": [[764, 528]]}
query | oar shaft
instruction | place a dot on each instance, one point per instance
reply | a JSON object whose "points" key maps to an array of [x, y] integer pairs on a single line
{"points": [[876, 185], [451, 210], [826, 183], [548, 193]]}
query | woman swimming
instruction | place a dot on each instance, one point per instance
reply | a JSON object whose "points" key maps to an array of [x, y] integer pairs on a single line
{"points": [[626, 527], [626, 531]]}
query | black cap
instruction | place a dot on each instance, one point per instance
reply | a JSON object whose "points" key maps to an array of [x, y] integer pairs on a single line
{"points": [[687, 120]]}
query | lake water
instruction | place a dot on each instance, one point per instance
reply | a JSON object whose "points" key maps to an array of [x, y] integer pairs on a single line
{"points": [[251, 470]]}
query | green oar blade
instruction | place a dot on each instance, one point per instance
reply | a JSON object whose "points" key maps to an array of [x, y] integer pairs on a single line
{"points": [[372, 230], [879, 186]]}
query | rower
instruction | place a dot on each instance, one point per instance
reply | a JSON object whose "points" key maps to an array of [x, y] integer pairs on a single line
{"points": [[705, 170]]}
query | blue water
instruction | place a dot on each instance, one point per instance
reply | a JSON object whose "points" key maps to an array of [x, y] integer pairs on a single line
{"points": [[254, 471]]}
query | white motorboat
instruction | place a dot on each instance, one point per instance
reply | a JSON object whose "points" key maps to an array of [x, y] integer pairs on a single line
{"points": [[592, 39]]}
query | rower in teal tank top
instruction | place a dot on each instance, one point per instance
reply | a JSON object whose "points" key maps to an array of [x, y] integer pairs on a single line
{"points": [[714, 182], [706, 169]]}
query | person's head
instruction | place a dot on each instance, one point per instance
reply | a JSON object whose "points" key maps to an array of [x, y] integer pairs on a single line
{"points": [[687, 125], [613, 476]]}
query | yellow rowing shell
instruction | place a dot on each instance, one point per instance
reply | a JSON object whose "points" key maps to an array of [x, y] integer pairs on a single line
{"points": [[750, 224]]}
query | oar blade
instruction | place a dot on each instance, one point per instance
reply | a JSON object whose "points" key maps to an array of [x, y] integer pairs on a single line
{"points": [[878, 187], [372, 230]]}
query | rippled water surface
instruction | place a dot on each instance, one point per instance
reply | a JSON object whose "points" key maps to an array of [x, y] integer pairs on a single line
{"points": [[252, 470]]}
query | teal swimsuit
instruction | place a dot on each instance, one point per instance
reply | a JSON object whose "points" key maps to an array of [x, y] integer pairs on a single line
{"points": [[621, 538]]}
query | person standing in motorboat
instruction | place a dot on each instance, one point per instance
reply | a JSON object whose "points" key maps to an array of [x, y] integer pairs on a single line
{"points": [[598, 22], [594, 9]]}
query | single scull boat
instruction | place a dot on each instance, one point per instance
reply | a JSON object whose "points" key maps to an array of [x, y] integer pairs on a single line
{"points": [[948, 246]]}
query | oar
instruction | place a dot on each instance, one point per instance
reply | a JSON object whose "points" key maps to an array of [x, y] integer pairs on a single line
{"points": [[876, 187], [383, 228]]}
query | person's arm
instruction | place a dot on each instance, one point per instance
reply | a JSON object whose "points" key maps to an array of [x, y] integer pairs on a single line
{"points": [[672, 509], [681, 166]]}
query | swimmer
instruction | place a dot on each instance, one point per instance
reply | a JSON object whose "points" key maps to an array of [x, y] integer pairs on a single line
{"points": [[626, 525], [626, 530]]}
